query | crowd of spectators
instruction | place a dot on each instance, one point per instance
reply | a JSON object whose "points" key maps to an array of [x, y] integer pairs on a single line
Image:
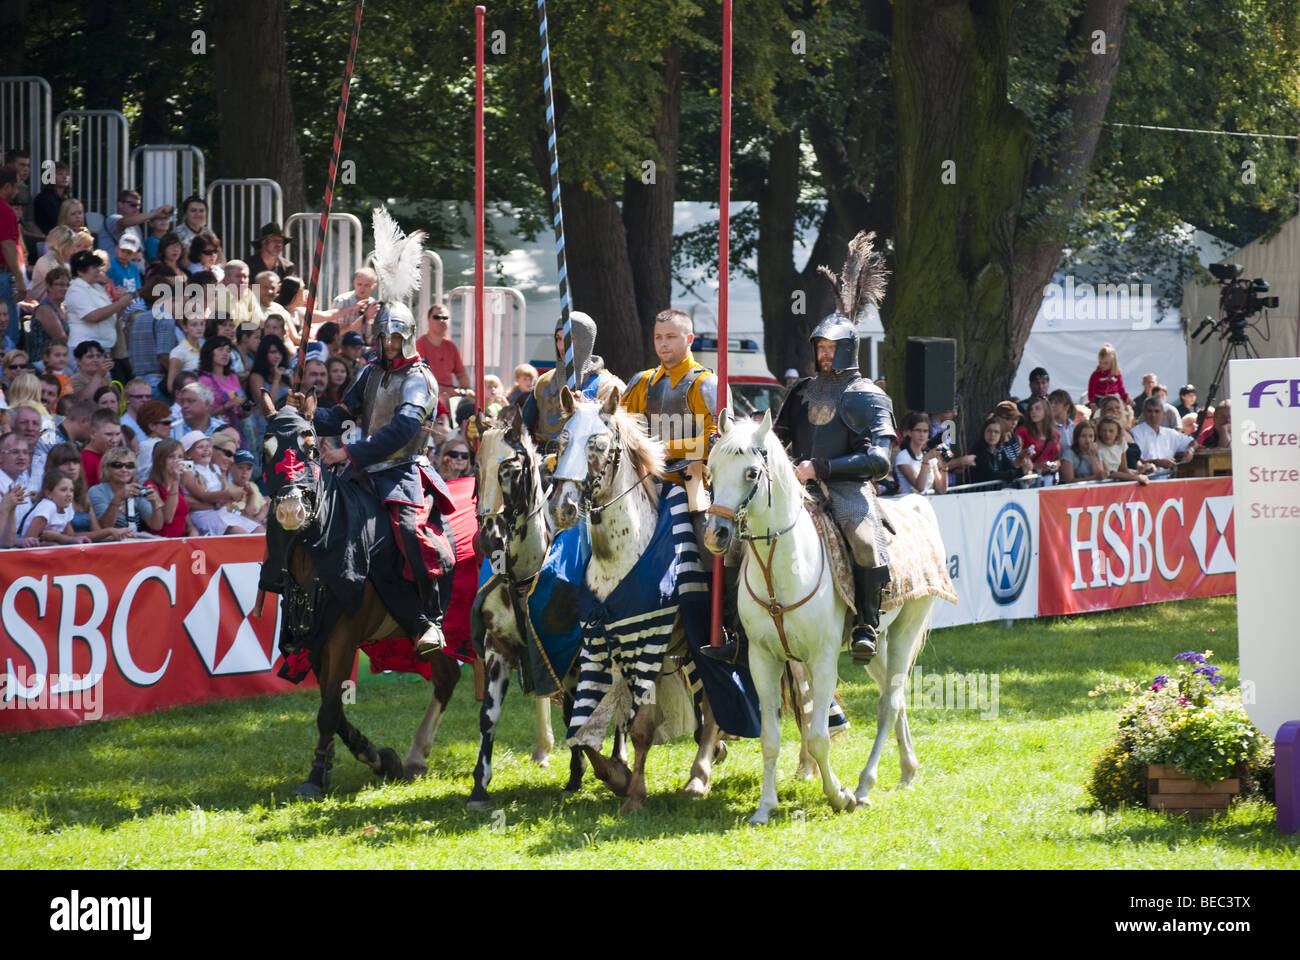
{"points": [[131, 358], [1047, 438]]}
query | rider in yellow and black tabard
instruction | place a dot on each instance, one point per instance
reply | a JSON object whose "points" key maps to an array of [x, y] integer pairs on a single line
{"points": [[679, 399]]}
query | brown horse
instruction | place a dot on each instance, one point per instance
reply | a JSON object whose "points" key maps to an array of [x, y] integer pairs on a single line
{"points": [[307, 502]]}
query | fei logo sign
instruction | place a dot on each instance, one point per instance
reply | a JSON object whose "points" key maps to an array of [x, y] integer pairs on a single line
{"points": [[1288, 396]]}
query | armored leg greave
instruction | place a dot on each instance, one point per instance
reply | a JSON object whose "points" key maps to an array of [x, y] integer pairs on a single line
{"points": [[868, 583]]}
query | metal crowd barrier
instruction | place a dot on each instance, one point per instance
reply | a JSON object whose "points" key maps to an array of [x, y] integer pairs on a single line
{"points": [[238, 208], [501, 351], [26, 122], [97, 147], [341, 259], [168, 173]]}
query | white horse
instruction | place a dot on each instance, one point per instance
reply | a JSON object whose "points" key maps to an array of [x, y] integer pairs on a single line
{"points": [[607, 468], [791, 610]]}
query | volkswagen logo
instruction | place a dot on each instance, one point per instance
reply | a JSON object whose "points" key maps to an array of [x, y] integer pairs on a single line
{"points": [[1009, 554]]}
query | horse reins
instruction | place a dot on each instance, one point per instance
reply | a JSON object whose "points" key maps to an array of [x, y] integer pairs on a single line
{"points": [[740, 517]]}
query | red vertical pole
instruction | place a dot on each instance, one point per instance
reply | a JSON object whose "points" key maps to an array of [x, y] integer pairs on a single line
{"points": [[724, 269], [479, 13]]}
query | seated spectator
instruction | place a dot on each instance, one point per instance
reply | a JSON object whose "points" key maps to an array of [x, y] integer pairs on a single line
{"points": [[1106, 380], [49, 325], [351, 348], [292, 300], [72, 432], [119, 501], [204, 253], [1187, 400], [126, 221], [106, 398], [94, 369], [1008, 414], [16, 363], [75, 521], [51, 386], [1082, 459], [138, 393], [918, 470], [49, 201], [15, 496], [15, 461], [1039, 442], [25, 390], [1217, 433], [159, 227], [1149, 381], [353, 311], [1062, 416], [54, 358], [124, 271], [255, 505], [185, 356], [991, 460], [454, 458], [196, 413], [72, 213], [105, 433], [194, 218], [165, 473], [208, 493], [1172, 418], [268, 249], [217, 374], [1113, 451], [525, 378], [1161, 446], [338, 379], [92, 314], [170, 265], [59, 243], [326, 342], [49, 519], [1189, 424], [1040, 385], [270, 371], [495, 401], [155, 419], [248, 337], [314, 376], [237, 300]]}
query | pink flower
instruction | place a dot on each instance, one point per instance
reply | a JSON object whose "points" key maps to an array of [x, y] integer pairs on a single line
{"points": [[1183, 701]]}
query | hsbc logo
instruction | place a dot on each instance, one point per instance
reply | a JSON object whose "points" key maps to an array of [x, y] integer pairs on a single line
{"points": [[219, 627], [1209, 536], [1010, 553]]}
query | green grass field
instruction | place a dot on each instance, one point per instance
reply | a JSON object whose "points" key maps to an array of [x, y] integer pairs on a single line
{"points": [[208, 786]]}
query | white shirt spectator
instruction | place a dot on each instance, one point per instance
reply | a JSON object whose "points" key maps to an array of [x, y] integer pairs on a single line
{"points": [[905, 457], [84, 298], [56, 521], [7, 481], [1162, 445], [1066, 431]]}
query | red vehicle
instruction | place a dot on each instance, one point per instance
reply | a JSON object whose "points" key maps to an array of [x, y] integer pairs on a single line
{"points": [[753, 388]]}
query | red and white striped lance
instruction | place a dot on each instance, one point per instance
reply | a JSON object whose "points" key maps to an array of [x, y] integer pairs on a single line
{"points": [[329, 184]]}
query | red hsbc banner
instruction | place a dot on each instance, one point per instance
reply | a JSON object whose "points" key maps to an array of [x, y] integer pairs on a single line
{"points": [[108, 630], [1119, 545]]}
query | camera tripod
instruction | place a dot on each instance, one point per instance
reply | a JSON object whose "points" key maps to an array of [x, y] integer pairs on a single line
{"points": [[1238, 347]]}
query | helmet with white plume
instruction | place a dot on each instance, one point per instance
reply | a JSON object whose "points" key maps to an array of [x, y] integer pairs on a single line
{"points": [[397, 267]]}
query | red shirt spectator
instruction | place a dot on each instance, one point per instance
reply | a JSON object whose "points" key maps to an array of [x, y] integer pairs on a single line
{"points": [[177, 527], [444, 360], [90, 463], [1051, 450], [1105, 384]]}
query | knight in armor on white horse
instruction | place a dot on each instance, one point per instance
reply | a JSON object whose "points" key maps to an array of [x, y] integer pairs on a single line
{"points": [[390, 401], [838, 427]]}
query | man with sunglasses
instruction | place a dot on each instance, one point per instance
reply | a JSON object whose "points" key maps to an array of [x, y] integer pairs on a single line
{"points": [[127, 219]]}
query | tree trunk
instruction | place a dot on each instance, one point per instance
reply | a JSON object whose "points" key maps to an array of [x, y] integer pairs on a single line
{"points": [[596, 246], [785, 311], [969, 265], [648, 212], [259, 137]]}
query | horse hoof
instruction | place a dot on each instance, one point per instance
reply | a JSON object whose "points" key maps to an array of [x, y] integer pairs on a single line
{"points": [[719, 752], [390, 764], [544, 762], [806, 773], [863, 799], [413, 771], [308, 791], [759, 818], [573, 787], [632, 804], [479, 805], [849, 800], [696, 788]]}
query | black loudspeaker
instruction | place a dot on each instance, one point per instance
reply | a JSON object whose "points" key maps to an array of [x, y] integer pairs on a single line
{"points": [[931, 374]]}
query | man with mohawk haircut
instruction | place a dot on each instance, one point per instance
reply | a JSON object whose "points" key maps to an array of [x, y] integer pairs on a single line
{"points": [[838, 427]]}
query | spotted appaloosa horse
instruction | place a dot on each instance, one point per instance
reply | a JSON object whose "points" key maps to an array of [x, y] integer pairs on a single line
{"points": [[513, 534], [608, 465], [791, 610], [303, 497]]}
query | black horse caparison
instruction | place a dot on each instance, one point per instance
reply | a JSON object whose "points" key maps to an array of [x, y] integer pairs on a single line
{"points": [[313, 513]]}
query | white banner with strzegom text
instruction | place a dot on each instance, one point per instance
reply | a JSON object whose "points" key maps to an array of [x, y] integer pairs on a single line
{"points": [[1266, 486]]}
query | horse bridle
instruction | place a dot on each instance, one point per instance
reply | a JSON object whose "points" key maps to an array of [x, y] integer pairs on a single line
{"points": [[509, 518], [611, 463], [740, 517]]}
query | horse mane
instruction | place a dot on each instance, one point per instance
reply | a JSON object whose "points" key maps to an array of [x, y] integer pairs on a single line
{"points": [[647, 453], [739, 441]]}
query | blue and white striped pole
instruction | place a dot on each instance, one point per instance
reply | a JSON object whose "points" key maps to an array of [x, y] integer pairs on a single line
{"points": [[570, 375]]}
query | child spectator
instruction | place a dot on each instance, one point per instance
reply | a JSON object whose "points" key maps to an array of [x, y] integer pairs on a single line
{"points": [[1062, 416], [495, 401], [1082, 459], [254, 506], [48, 520], [55, 360], [525, 378], [1039, 442], [1106, 380]]}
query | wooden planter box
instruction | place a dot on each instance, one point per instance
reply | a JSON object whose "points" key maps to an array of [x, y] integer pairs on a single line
{"points": [[1173, 791]]}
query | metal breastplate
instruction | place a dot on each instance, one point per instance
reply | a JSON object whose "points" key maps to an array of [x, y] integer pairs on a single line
{"points": [[550, 415], [668, 409], [819, 430], [386, 393]]}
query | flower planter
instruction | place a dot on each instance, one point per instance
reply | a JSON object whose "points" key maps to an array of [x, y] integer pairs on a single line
{"points": [[1173, 791]]}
